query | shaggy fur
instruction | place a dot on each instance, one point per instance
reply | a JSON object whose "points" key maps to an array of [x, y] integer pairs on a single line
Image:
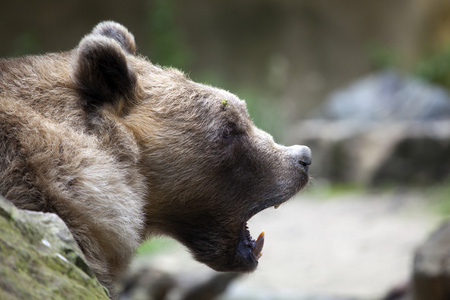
{"points": [[121, 149]]}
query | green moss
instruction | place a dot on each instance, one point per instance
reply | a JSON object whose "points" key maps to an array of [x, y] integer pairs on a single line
{"points": [[31, 270]]}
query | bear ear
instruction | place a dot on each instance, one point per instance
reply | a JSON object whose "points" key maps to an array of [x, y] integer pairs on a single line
{"points": [[101, 70], [117, 32]]}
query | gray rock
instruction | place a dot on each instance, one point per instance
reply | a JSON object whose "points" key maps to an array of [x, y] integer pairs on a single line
{"points": [[39, 259], [377, 152], [431, 271], [388, 96]]}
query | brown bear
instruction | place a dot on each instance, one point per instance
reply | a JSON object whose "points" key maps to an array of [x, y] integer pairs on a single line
{"points": [[122, 149]]}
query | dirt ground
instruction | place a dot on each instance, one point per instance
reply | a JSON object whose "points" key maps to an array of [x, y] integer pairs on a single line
{"points": [[352, 246]]}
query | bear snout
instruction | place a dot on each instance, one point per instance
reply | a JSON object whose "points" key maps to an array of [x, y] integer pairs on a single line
{"points": [[301, 156]]}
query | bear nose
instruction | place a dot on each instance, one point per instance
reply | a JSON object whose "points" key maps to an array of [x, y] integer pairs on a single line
{"points": [[305, 156], [302, 155]]}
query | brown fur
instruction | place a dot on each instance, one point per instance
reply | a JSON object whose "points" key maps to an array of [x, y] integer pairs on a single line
{"points": [[120, 148]]}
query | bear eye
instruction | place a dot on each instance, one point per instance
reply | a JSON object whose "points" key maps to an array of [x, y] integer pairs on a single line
{"points": [[227, 132]]}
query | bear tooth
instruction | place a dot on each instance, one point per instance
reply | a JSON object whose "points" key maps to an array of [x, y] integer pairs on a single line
{"points": [[259, 245]]}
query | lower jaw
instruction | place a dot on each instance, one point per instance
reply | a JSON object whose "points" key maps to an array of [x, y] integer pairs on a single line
{"points": [[242, 266], [243, 261]]}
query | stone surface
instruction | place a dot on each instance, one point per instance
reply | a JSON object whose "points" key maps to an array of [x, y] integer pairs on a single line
{"points": [[377, 153], [39, 258], [388, 96], [431, 273]]}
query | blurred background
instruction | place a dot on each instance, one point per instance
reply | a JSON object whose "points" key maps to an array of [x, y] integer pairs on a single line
{"points": [[363, 83]]}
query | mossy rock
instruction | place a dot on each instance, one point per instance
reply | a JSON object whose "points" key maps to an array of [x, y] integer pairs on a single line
{"points": [[39, 259]]}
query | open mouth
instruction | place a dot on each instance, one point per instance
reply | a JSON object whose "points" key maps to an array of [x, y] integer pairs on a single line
{"points": [[232, 248], [249, 248]]}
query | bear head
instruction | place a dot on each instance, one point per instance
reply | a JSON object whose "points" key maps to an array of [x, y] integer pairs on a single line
{"points": [[208, 168]]}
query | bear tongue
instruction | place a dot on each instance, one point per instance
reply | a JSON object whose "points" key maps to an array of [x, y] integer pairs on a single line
{"points": [[258, 246]]}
